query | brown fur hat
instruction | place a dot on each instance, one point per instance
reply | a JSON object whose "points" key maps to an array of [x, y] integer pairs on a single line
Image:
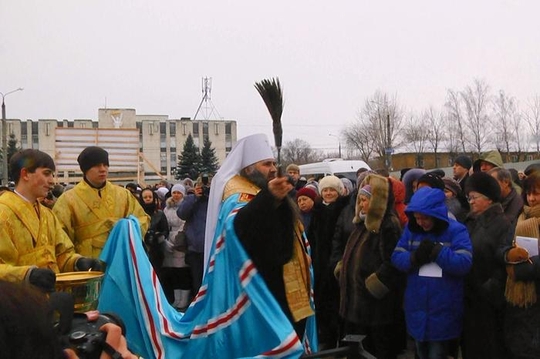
{"points": [[379, 201]]}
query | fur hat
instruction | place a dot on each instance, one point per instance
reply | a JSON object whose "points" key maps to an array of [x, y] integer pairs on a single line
{"points": [[452, 185], [292, 167], [485, 184], [92, 156], [306, 191], [379, 188], [463, 161], [331, 182], [433, 180]]}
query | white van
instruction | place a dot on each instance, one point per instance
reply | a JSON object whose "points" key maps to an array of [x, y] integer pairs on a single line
{"points": [[336, 167]]}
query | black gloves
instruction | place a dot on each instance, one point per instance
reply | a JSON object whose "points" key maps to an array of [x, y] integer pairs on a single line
{"points": [[84, 264], [43, 278], [422, 255]]}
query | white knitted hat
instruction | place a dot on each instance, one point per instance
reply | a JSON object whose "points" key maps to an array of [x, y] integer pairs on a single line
{"points": [[332, 182]]}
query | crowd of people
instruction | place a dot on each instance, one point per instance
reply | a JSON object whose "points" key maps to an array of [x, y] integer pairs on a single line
{"points": [[436, 258]]}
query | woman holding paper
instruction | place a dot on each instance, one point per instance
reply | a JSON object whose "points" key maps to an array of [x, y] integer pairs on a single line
{"points": [[436, 253], [491, 234], [522, 331]]}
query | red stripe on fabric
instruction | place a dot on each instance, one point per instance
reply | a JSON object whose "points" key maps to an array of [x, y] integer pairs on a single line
{"points": [[290, 342], [225, 319], [247, 271], [146, 306]]}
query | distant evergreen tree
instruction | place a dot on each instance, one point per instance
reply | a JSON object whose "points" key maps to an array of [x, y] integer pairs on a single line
{"points": [[11, 149], [189, 161], [209, 161]]}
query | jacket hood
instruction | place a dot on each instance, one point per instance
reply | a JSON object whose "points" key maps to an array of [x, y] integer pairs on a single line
{"points": [[408, 179], [430, 202], [493, 157]]}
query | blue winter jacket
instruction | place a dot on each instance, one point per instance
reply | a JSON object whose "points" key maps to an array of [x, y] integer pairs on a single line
{"points": [[434, 305]]}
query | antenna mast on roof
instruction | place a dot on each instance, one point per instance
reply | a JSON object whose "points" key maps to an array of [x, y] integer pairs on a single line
{"points": [[206, 107]]}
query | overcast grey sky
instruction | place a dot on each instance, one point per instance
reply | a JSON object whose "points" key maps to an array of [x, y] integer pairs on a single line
{"points": [[75, 56]]}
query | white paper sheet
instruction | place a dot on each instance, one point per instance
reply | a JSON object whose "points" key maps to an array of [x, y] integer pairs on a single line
{"points": [[529, 243], [430, 270]]}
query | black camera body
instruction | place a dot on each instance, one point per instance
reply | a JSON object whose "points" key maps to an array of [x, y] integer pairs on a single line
{"points": [[85, 338], [79, 331]]}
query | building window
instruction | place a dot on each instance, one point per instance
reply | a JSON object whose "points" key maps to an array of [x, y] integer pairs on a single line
{"points": [[163, 134], [24, 136], [47, 129], [138, 125], [228, 137], [195, 129], [205, 129], [216, 129], [35, 135], [529, 157], [163, 160], [184, 129]]}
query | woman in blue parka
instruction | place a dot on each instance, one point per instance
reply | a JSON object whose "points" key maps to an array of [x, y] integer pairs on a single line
{"points": [[436, 253]]}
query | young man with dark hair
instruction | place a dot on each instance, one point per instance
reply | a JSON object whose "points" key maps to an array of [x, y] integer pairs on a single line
{"points": [[34, 247], [89, 211]]}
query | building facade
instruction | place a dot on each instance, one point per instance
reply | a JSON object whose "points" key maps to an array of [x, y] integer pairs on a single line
{"points": [[161, 140]]}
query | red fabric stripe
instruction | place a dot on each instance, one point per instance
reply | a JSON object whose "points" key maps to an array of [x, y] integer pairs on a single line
{"points": [[223, 321]]}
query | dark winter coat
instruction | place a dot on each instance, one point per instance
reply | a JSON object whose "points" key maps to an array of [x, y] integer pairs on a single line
{"points": [[193, 210], [512, 206], [372, 302], [434, 305], [491, 235]]}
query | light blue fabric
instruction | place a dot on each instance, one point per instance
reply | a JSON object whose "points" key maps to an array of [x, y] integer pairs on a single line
{"points": [[233, 316]]}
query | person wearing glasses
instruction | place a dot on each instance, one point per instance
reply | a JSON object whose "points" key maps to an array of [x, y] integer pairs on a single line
{"points": [[491, 235]]}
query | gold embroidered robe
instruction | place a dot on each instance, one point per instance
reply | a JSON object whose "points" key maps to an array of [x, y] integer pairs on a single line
{"points": [[27, 240], [88, 214]]}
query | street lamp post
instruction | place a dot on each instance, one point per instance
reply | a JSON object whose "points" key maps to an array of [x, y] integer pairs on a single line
{"points": [[339, 143], [4, 137]]}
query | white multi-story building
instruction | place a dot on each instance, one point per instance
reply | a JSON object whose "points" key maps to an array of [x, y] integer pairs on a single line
{"points": [[161, 140]]}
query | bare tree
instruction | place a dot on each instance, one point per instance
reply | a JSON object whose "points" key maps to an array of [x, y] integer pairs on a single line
{"points": [[299, 152], [476, 100], [532, 117], [416, 133], [456, 135], [381, 117], [437, 130], [519, 133], [504, 110], [360, 137]]}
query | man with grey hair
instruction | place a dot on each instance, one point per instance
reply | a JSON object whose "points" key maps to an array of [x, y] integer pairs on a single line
{"points": [[254, 206], [511, 201]]}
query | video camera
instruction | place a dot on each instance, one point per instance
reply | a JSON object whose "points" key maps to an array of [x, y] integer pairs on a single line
{"points": [[78, 331]]}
